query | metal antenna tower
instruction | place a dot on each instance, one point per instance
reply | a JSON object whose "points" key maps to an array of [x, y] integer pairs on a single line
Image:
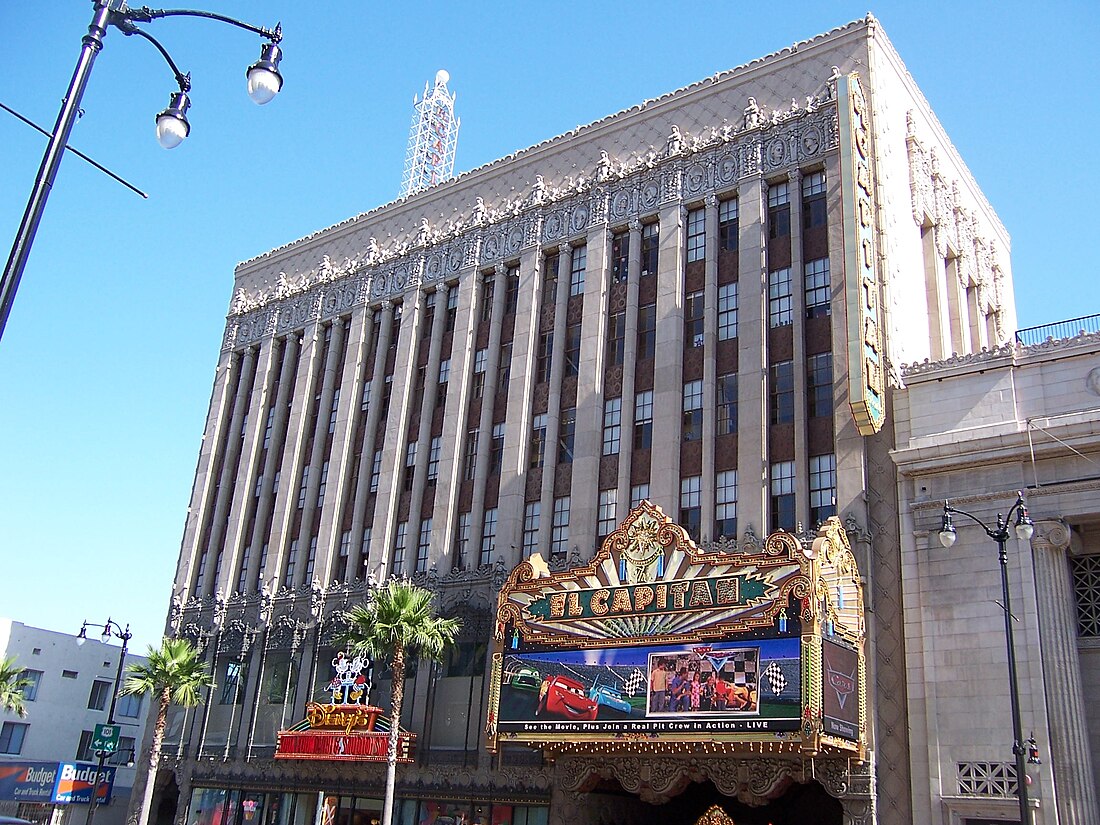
{"points": [[430, 158]]}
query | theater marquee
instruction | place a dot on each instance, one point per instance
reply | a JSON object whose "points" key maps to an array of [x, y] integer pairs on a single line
{"points": [[658, 646]]}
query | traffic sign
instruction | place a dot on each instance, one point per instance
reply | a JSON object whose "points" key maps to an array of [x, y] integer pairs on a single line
{"points": [[105, 738]]}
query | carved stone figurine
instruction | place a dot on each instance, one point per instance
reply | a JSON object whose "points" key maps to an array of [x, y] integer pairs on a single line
{"points": [[675, 143], [753, 117]]}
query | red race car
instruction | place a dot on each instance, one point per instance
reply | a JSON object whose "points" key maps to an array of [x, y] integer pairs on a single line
{"points": [[567, 698]]}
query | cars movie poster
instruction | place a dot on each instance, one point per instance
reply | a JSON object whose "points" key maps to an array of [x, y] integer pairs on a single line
{"points": [[656, 643]]}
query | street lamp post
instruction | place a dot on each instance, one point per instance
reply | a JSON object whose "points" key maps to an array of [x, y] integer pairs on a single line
{"points": [[1024, 529], [264, 82], [111, 628]]}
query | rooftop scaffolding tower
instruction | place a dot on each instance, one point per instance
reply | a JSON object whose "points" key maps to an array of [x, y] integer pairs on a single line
{"points": [[430, 158]]}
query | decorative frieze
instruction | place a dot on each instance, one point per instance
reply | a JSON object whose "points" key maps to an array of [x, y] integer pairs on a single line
{"points": [[689, 166]]}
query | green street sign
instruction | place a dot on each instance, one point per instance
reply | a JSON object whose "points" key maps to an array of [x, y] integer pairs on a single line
{"points": [[105, 738]]}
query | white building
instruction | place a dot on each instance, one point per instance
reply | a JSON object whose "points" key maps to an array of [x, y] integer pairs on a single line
{"points": [[975, 429], [70, 693]]}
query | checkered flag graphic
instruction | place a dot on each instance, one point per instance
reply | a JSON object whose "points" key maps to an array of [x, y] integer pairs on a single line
{"points": [[633, 682], [776, 680]]}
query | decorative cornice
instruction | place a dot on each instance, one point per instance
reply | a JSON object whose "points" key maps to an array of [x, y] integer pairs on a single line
{"points": [[614, 190], [1016, 352]]}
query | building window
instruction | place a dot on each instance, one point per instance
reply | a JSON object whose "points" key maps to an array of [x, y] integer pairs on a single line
{"points": [[567, 433], [269, 426], [780, 300], [375, 471], [572, 350], [545, 357], [302, 487], [332, 412], [364, 401], [725, 499], [469, 463], [399, 539], [410, 463], [487, 299], [813, 200], [782, 392], [423, 545], [606, 513], [1086, 591], [488, 537], [638, 494], [643, 420], [690, 510], [727, 224], [779, 210], [262, 569], [125, 753], [559, 530], [612, 425], [651, 243], [817, 288], [99, 696], [647, 331], [538, 440], [549, 280], [30, 689], [452, 308], [822, 487], [444, 372], [782, 483], [291, 563], [322, 486], [696, 235], [434, 450], [727, 311], [727, 404], [693, 319], [342, 556], [311, 559], [576, 270], [480, 359], [819, 384], [504, 367], [496, 450], [84, 752], [428, 316], [233, 684], [531, 527], [511, 297], [620, 256], [462, 542], [129, 706], [616, 338], [693, 411]]}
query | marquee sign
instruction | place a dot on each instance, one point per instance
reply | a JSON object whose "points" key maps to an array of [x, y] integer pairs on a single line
{"points": [[347, 728], [657, 645], [866, 373]]}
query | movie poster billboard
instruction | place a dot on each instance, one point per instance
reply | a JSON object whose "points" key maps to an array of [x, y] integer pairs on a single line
{"points": [[657, 641]]}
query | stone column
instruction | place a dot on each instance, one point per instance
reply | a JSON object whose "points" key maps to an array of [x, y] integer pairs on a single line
{"points": [[1070, 758], [360, 552], [710, 360], [228, 471], [553, 404], [798, 327], [260, 531], [424, 428], [752, 358], [485, 421], [630, 353]]}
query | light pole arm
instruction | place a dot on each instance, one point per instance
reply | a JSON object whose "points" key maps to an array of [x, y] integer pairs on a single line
{"points": [[148, 15], [128, 28]]}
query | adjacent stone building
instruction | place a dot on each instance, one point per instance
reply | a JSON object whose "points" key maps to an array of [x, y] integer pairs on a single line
{"points": [[696, 301], [976, 429]]}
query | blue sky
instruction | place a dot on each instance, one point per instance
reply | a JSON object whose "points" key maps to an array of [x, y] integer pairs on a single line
{"points": [[108, 358]]}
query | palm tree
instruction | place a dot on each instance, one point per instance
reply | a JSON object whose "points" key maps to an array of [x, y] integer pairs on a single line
{"points": [[174, 674], [12, 683], [396, 623]]}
